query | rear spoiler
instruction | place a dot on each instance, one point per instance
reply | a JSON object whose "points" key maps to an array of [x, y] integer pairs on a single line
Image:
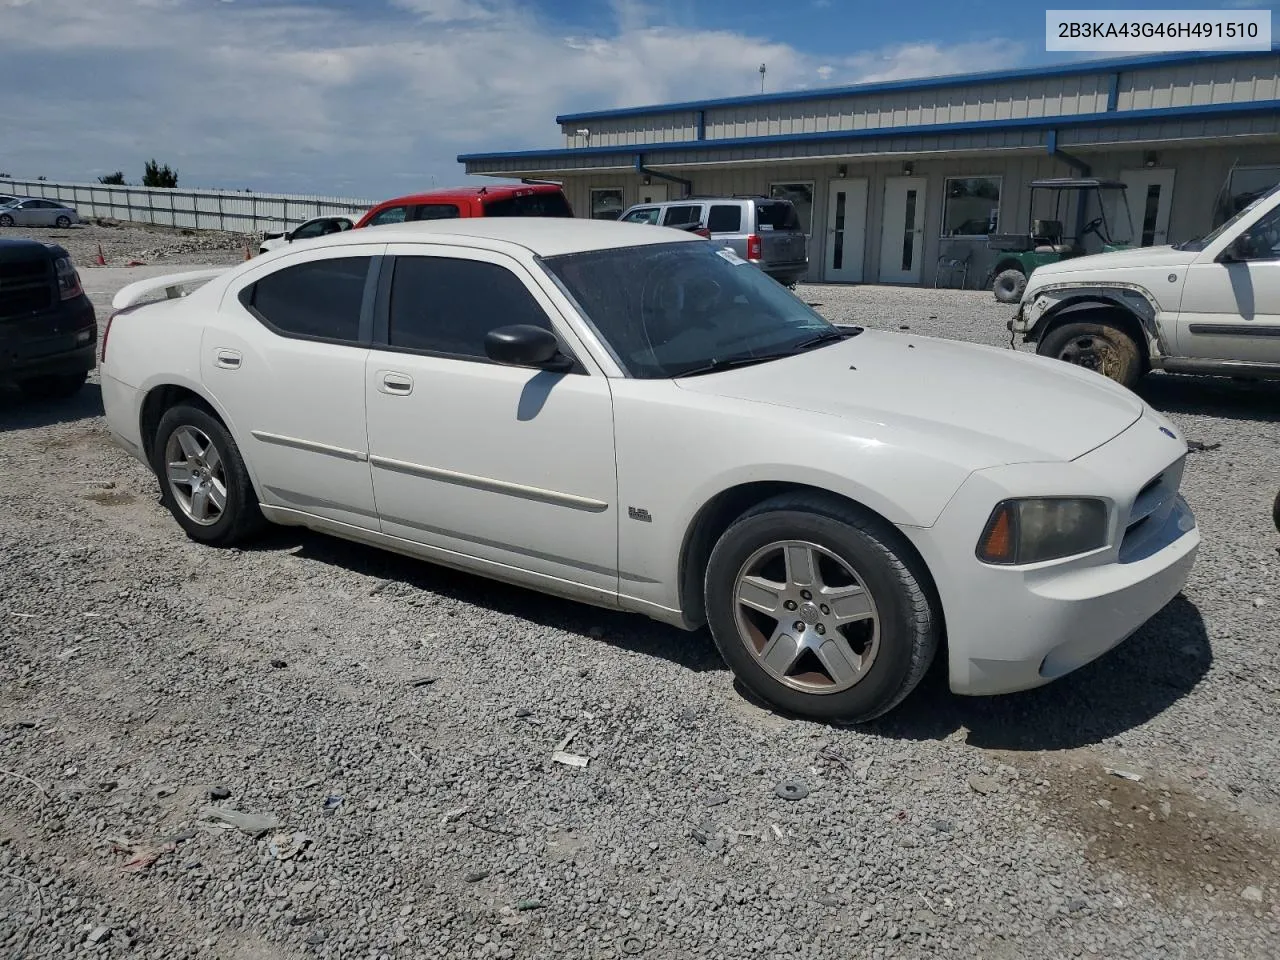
{"points": [[173, 285]]}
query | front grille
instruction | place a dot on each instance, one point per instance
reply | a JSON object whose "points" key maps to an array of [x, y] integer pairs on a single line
{"points": [[1151, 507], [26, 287]]}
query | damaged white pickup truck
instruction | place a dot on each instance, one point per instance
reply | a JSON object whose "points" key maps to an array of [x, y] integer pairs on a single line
{"points": [[1207, 306]]}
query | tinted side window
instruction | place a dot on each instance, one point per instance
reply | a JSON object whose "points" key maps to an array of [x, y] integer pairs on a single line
{"points": [[435, 211], [725, 218], [530, 205], [308, 230], [317, 300], [443, 305], [389, 215], [689, 213]]}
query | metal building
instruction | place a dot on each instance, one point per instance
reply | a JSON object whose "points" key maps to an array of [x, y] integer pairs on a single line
{"points": [[892, 179]]}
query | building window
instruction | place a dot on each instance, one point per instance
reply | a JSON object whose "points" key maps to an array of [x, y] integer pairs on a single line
{"points": [[801, 197], [971, 207], [606, 203]]}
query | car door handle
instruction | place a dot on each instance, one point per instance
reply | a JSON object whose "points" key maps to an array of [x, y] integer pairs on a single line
{"points": [[227, 359], [396, 383]]}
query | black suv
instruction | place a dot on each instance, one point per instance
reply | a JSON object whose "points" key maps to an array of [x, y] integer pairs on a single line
{"points": [[48, 331]]}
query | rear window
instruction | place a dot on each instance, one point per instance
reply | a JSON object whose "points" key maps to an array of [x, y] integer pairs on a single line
{"points": [[529, 205], [725, 218], [777, 216], [435, 211]]}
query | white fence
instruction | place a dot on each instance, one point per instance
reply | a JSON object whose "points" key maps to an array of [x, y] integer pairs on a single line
{"points": [[231, 210]]}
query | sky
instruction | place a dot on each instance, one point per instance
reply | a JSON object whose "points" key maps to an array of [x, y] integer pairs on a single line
{"points": [[375, 98]]}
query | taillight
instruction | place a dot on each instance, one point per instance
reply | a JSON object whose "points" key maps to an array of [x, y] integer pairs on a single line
{"points": [[753, 247], [68, 279], [106, 332], [703, 232]]}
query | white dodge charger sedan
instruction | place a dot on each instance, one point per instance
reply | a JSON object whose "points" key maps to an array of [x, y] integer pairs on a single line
{"points": [[634, 418]]}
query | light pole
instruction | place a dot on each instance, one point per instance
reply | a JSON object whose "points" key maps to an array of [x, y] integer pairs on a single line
{"points": [[762, 78]]}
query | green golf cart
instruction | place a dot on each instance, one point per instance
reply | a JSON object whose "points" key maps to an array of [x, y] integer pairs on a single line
{"points": [[1054, 202]]}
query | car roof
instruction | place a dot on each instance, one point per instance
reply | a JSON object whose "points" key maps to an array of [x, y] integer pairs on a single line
{"points": [[544, 236], [498, 191]]}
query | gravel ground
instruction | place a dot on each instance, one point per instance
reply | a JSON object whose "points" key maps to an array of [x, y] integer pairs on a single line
{"points": [[122, 244], [397, 722]]}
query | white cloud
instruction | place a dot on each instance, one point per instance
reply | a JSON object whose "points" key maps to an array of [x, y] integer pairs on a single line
{"points": [[370, 101]]}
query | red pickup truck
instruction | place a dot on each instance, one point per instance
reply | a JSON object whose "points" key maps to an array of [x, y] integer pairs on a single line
{"points": [[499, 200]]}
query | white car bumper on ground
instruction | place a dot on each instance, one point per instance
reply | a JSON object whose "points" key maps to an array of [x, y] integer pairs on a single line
{"points": [[1016, 627]]}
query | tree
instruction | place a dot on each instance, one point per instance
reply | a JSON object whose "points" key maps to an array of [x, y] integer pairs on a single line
{"points": [[115, 179], [158, 176]]}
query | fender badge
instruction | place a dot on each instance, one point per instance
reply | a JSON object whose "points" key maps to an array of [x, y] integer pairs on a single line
{"points": [[1169, 433]]}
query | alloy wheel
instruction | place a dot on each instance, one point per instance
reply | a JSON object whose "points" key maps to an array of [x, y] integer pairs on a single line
{"points": [[807, 617], [196, 475]]}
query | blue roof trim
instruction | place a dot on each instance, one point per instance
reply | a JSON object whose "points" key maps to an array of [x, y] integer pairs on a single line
{"points": [[921, 130], [1077, 68]]}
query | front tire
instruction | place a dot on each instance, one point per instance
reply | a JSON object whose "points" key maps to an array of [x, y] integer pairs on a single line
{"points": [[1275, 512], [820, 609], [6, 220], [1101, 347], [1009, 285], [60, 386], [203, 480]]}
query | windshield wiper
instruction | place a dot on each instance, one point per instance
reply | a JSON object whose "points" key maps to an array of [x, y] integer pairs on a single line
{"points": [[827, 337], [715, 366]]}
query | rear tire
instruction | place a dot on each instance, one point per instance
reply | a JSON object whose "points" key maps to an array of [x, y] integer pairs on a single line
{"points": [[1009, 285], [215, 504], [63, 222], [1275, 512], [846, 649], [58, 386], [1102, 347]]}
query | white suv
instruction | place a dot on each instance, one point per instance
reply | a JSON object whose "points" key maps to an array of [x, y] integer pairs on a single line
{"points": [[1209, 306]]}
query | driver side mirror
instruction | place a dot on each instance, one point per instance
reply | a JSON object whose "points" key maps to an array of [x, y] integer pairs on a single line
{"points": [[524, 345]]}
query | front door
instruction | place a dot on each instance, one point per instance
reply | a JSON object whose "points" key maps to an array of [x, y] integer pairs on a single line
{"points": [[1231, 309], [653, 193], [1150, 196], [902, 230], [510, 467], [846, 230]]}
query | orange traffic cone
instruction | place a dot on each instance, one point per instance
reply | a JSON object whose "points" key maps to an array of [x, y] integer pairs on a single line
{"points": [[247, 254], [100, 260]]}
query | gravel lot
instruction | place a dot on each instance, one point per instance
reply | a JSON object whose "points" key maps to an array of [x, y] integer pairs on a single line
{"points": [[147, 244], [396, 721]]}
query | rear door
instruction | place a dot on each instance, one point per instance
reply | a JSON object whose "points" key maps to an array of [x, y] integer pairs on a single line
{"points": [[782, 239], [642, 215], [286, 362]]}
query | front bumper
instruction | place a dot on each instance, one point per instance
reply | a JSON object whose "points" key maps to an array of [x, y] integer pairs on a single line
{"points": [[1014, 628]]}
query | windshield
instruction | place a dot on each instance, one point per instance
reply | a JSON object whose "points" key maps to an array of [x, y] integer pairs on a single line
{"points": [[1195, 246], [670, 309]]}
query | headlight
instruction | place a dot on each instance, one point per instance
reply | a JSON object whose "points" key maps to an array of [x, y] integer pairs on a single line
{"points": [[68, 279], [1043, 528]]}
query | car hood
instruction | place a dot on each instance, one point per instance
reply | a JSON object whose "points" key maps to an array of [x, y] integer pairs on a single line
{"points": [[1117, 260], [982, 405]]}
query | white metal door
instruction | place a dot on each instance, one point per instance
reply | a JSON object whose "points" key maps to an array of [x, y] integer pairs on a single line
{"points": [[1150, 196], [510, 466], [846, 230], [902, 230], [653, 193]]}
